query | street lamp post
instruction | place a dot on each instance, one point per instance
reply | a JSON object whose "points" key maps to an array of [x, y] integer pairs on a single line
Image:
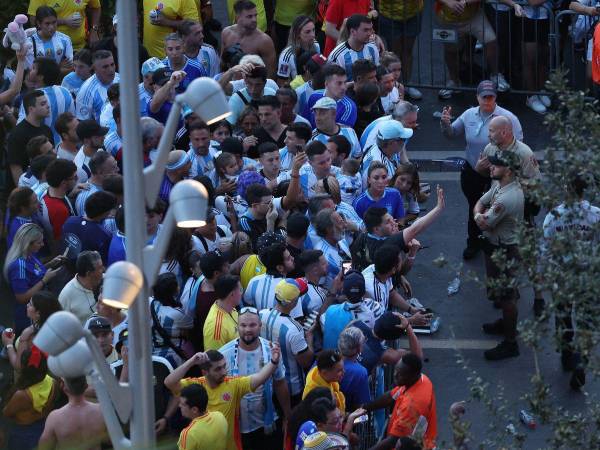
{"points": [[73, 350]]}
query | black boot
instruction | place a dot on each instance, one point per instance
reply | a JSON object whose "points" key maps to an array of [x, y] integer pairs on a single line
{"points": [[503, 350]]}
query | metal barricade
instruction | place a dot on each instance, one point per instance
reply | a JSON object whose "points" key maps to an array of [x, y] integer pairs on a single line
{"points": [[573, 51], [444, 54]]}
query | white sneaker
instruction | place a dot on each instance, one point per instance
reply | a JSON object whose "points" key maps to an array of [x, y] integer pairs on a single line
{"points": [[546, 101], [501, 83], [413, 93], [445, 94], [534, 103]]}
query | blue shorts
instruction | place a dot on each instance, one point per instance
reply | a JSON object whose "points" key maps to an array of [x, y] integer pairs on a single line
{"points": [[391, 30]]}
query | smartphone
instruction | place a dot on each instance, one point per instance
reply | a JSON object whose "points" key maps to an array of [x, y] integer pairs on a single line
{"points": [[346, 266], [361, 419]]}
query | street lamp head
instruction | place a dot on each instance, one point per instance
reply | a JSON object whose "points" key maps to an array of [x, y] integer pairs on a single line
{"points": [[123, 281], [189, 202], [73, 362], [205, 96], [61, 331]]}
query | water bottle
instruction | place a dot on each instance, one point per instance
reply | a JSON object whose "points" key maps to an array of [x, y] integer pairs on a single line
{"points": [[453, 286], [527, 419]]}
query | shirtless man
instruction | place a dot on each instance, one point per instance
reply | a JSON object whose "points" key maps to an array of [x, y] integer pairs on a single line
{"points": [[248, 36], [79, 423]]}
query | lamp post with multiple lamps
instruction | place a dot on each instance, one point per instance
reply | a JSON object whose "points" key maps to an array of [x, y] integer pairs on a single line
{"points": [[73, 351]]}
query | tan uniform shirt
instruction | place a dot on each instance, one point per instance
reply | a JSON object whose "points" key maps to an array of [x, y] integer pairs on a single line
{"points": [[504, 212], [529, 169]]}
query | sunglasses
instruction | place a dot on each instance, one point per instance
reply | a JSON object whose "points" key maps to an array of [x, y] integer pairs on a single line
{"points": [[248, 309]]}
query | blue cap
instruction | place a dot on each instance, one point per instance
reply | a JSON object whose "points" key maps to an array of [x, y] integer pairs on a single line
{"points": [[354, 286], [392, 129]]}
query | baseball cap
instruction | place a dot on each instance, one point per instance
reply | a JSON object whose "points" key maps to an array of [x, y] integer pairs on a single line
{"points": [[354, 285], [325, 103], [123, 338], [392, 129], [99, 323], [161, 75], [290, 289], [486, 87], [151, 65], [88, 128], [325, 441], [504, 159], [386, 327]]}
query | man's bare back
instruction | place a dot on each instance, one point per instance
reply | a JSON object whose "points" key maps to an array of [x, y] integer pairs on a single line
{"points": [[254, 43], [77, 425]]}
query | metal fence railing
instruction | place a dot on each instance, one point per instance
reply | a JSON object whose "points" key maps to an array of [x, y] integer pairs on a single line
{"points": [[445, 52]]}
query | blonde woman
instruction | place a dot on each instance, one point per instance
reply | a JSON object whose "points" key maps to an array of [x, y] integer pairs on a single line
{"points": [[301, 39], [25, 273]]}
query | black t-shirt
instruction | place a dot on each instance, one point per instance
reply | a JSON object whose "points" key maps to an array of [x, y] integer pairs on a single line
{"points": [[17, 141], [365, 245], [262, 136]]}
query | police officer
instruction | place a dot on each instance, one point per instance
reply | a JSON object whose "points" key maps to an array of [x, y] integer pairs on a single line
{"points": [[501, 137], [498, 214]]}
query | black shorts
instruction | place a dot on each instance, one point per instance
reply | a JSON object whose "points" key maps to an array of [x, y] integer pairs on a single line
{"points": [[501, 281], [535, 30]]}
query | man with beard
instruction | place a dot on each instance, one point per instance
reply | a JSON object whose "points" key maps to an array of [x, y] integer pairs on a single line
{"points": [[200, 153], [251, 40], [498, 214], [224, 393], [247, 355]]}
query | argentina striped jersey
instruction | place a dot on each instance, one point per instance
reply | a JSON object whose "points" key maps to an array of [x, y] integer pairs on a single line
{"points": [[92, 97], [59, 47], [343, 55], [286, 68], [347, 132], [260, 293], [208, 58]]}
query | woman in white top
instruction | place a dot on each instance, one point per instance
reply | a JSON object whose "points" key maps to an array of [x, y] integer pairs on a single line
{"points": [[302, 38]]}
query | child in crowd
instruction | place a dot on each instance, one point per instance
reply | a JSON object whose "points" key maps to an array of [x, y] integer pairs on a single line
{"points": [[350, 180], [225, 172], [392, 63]]}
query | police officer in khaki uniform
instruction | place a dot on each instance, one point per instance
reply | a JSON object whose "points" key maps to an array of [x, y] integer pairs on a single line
{"points": [[499, 213], [502, 138]]}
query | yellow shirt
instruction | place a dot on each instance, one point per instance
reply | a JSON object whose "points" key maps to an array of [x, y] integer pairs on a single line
{"points": [[260, 10], [403, 10], [204, 432], [297, 82], [226, 398], [251, 268], [287, 10], [220, 327], [65, 9], [154, 35], [314, 380]]}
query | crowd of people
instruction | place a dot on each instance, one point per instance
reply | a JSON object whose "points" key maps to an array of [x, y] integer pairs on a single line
{"points": [[271, 323]]}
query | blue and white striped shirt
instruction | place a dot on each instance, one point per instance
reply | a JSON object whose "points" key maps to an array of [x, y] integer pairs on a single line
{"points": [[343, 55], [374, 153], [59, 47], [308, 179], [60, 101], [369, 136], [72, 83], [145, 99], [333, 258], [375, 289], [347, 132], [303, 92], [208, 58], [91, 97], [201, 164], [348, 212], [260, 293], [281, 328], [83, 196], [285, 158], [113, 143], [350, 187], [286, 68]]}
